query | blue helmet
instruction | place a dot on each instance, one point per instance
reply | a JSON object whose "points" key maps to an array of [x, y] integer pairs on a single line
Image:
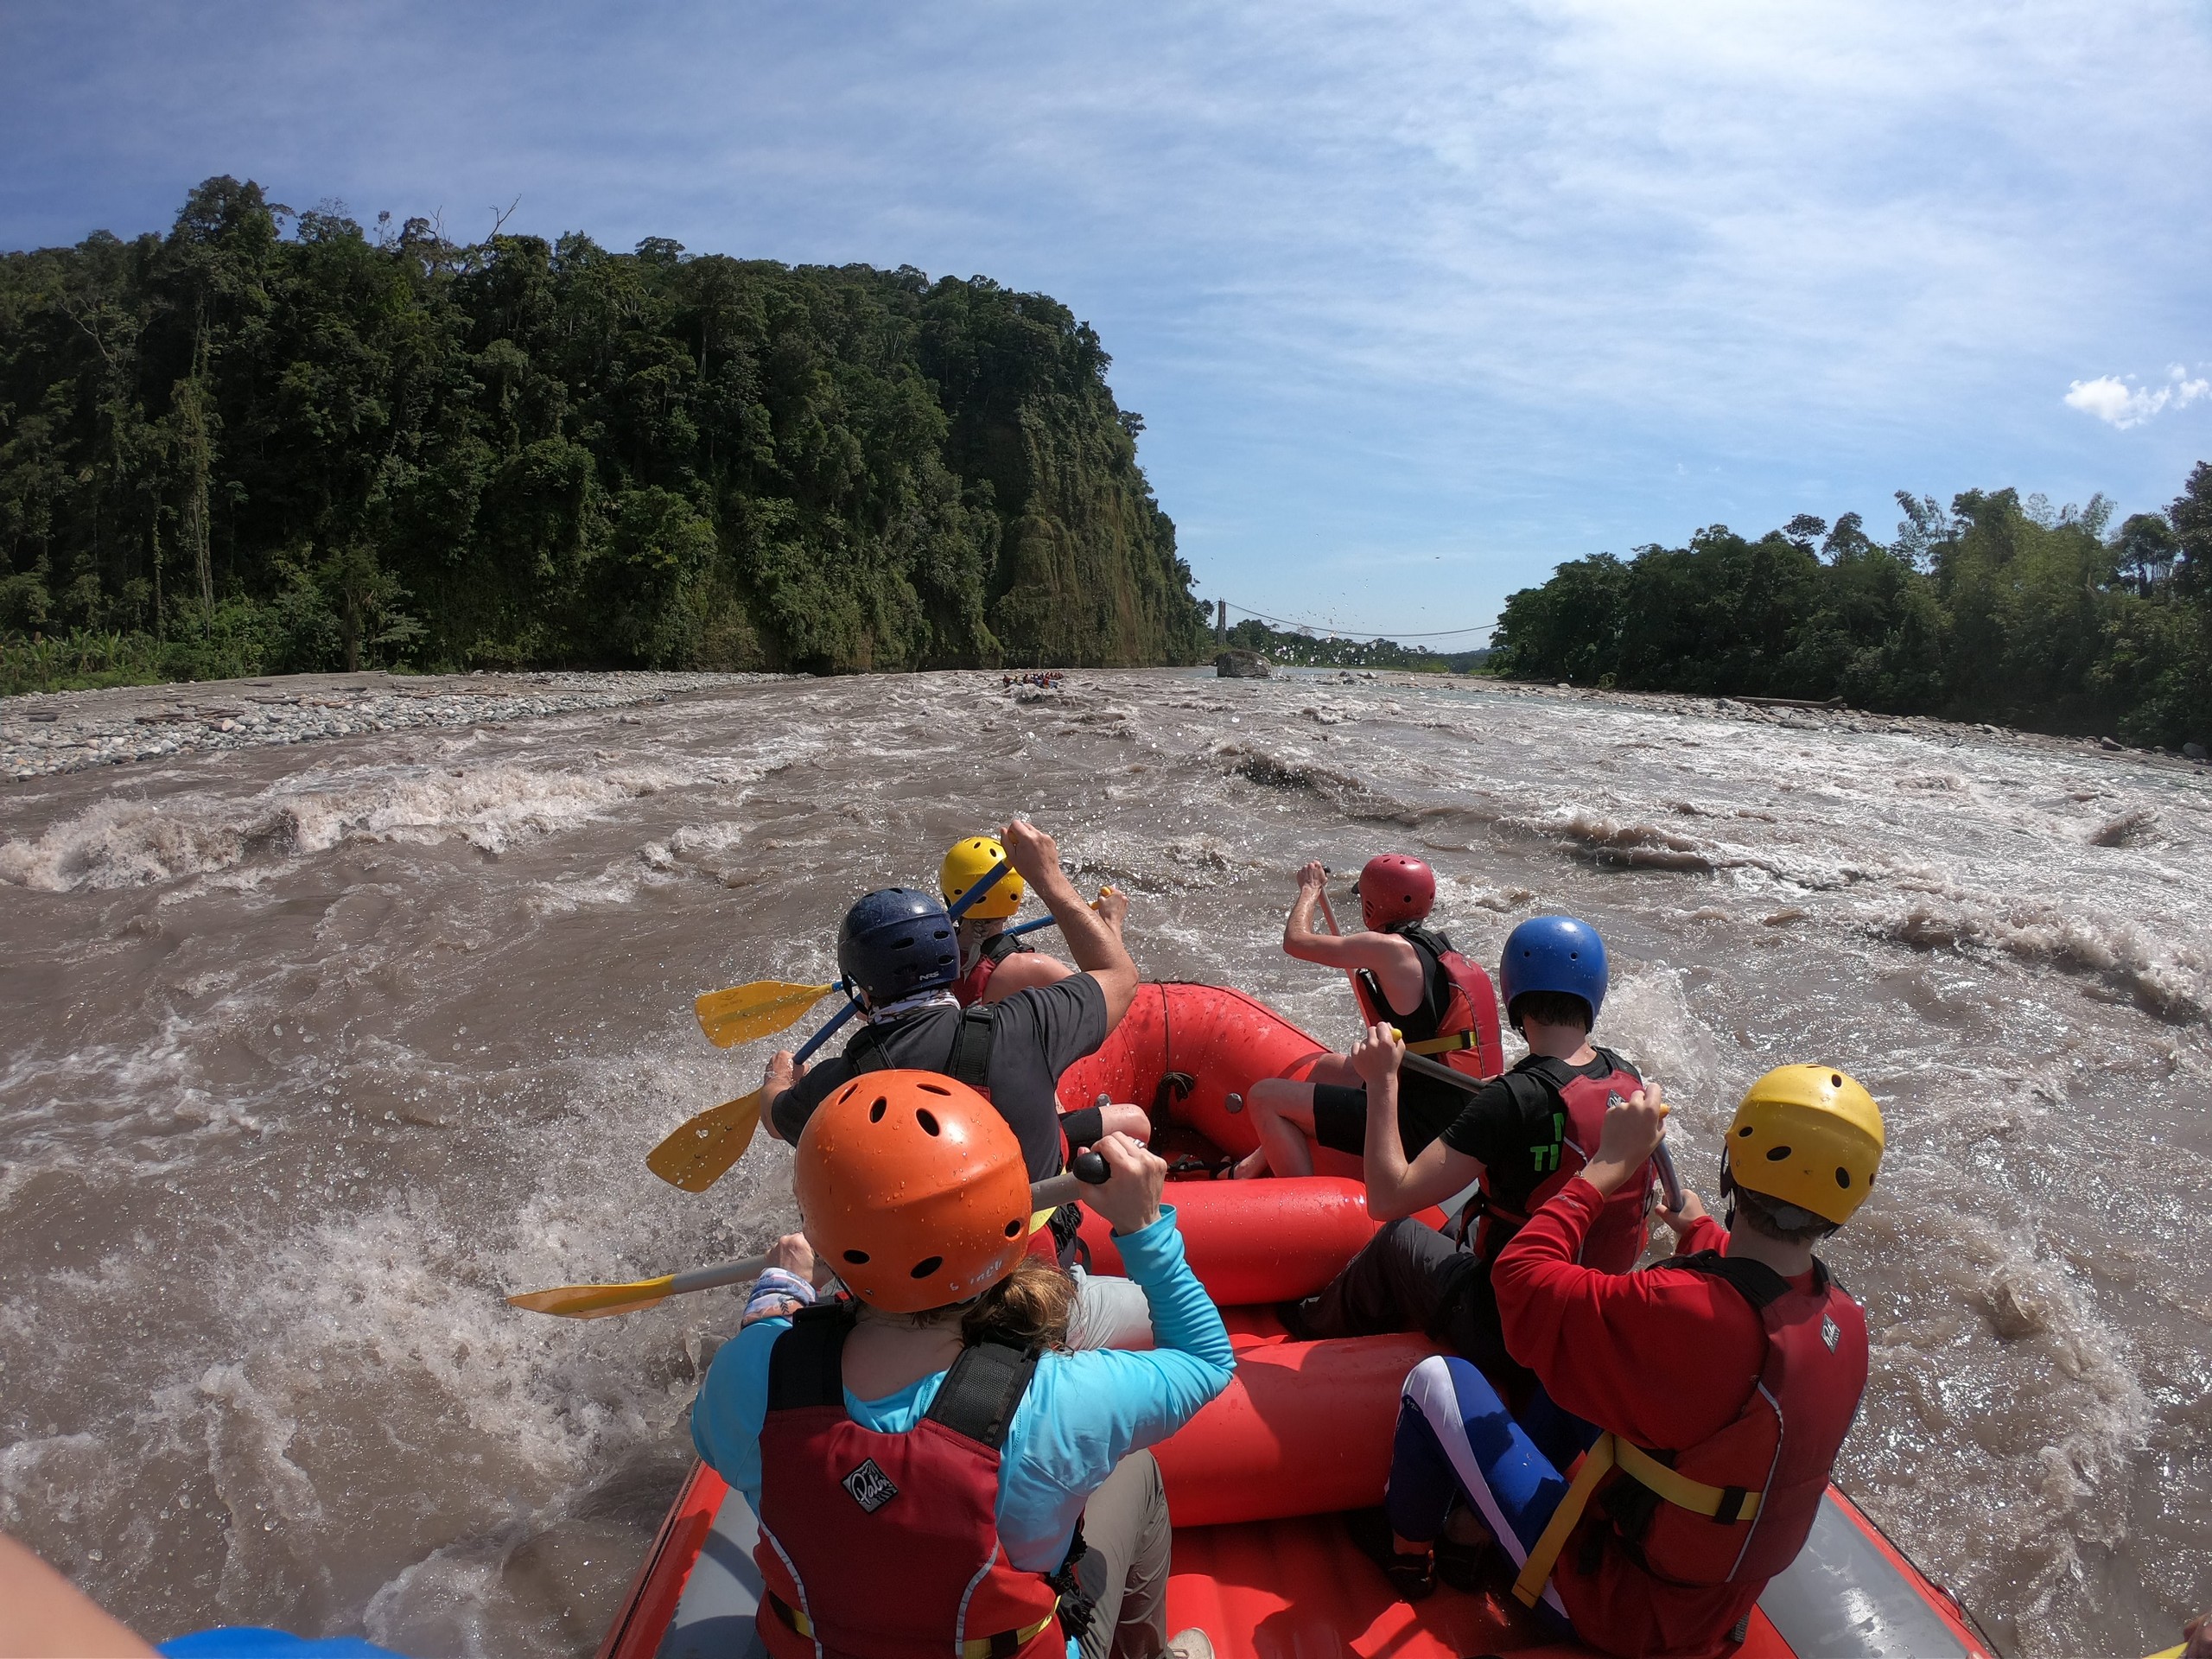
{"points": [[1553, 953], [897, 941]]}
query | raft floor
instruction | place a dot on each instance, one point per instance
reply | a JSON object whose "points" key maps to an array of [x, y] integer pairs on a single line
{"points": [[1300, 1590]]}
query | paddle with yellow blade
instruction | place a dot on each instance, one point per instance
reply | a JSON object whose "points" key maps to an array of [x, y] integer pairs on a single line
{"points": [[597, 1302], [700, 1151], [744, 1013]]}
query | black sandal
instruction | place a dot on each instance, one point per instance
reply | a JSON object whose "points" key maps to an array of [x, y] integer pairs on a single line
{"points": [[1413, 1578], [1460, 1565]]}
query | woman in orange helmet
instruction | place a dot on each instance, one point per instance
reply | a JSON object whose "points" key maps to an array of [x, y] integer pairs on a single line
{"points": [[927, 1463]]}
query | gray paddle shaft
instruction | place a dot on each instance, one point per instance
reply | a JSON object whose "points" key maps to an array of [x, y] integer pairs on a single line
{"points": [[727, 1273]]}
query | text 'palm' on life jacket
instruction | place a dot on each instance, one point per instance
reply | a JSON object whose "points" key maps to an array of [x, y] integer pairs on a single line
{"points": [[968, 989], [1563, 1112], [881, 1546], [1737, 1506], [1457, 1020]]}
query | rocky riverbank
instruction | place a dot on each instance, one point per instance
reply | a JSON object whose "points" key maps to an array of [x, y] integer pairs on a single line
{"points": [[71, 731]]}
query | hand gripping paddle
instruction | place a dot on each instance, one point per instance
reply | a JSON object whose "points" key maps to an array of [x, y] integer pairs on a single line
{"points": [[597, 1302], [700, 1151]]}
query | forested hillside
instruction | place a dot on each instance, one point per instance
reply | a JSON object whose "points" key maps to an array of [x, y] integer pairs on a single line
{"points": [[1999, 610], [272, 441]]}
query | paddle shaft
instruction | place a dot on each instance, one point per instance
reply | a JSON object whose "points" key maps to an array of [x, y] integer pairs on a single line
{"points": [[1670, 1183], [728, 1273], [1088, 1170], [1351, 978]]}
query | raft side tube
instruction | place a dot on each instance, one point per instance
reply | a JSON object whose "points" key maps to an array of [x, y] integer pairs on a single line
{"points": [[1256, 1241], [1303, 1429], [658, 1590], [1253, 1243], [1223, 1040]]}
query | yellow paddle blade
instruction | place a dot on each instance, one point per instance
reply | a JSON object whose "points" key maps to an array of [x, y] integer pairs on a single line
{"points": [[745, 1013], [595, 1302], [700, 1153]]}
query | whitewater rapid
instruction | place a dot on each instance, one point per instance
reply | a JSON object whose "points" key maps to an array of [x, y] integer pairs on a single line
{"points": [[314, 1052]]}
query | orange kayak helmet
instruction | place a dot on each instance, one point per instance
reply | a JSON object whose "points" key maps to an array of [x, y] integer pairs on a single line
{"points": [[913, 1189]]}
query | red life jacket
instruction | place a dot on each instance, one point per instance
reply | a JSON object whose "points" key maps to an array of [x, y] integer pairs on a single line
{"points": [[968, 989], [1458, 1000], [878, 1545], [1780, 1449], [1564, 1112]]}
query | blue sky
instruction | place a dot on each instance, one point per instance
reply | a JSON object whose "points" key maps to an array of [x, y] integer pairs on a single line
{"points": [[1416, 300]]}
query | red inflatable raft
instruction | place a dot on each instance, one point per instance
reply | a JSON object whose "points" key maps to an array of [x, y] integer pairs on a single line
{"points": [[1257, 1481]]}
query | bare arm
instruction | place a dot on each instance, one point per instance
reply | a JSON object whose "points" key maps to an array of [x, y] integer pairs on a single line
{"points": [[1021, 971], [1394, 1187], [1093, 936], [1394, 963], [776, 1080], [47, 1615]]}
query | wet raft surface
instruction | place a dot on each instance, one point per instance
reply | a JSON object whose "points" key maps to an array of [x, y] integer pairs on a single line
{"points": [[312, 1051]]}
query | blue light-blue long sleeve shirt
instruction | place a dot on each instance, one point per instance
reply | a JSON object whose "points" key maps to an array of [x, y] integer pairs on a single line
{"points": [[1083, 1413]]}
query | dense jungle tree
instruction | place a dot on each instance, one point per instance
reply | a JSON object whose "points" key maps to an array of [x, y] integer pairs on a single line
{"points": [[1994, 609], [269, 441]]}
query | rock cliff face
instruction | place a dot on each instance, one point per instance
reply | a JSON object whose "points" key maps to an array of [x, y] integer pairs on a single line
{"points": [[269, 441]]}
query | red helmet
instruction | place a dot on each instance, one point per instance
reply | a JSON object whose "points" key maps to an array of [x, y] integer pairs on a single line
{"points": [[1394, 888]]}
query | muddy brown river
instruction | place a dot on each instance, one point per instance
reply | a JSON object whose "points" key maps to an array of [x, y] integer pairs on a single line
{"points": [[311, 1053]]}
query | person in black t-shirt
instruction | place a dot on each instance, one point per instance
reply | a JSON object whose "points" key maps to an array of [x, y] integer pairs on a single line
{"points": [[1520, 1136], [899, 953]]}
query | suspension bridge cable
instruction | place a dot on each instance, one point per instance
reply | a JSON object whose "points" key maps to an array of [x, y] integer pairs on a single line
{"points": [[1325, 627]]}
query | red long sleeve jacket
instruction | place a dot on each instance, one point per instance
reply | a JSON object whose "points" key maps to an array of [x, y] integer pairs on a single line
{"points": [[1660, 1358]]}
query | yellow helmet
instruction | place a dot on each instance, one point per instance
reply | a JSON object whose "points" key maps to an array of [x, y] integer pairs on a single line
{"points": [[967, 862], [1807, 1135]]}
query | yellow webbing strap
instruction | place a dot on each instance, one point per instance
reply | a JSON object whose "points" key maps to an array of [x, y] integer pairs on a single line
{"points": [[1680, 1490], [1611, 1451], [982, 1647], [1446, 1044], [1536, 1571]]}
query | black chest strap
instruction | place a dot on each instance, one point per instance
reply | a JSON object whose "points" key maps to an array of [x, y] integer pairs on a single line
{"points": [[806, 1366], [1420, 1025], [968, 1058], [1755, 1281], [982, 1390], [978, 1398], [1000, 947]]}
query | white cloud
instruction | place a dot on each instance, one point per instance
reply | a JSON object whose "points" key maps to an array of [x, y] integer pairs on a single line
{"points": [[2113, 401]]}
